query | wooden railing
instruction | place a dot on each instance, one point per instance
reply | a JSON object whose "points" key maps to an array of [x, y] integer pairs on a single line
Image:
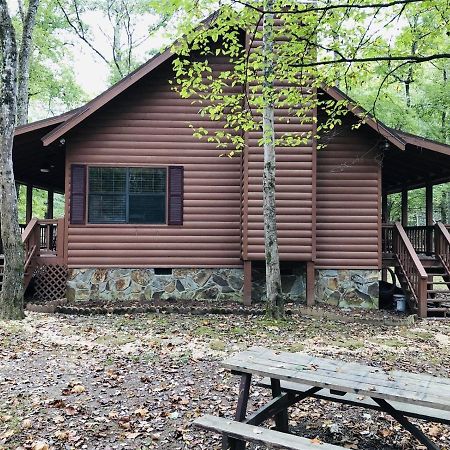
{"points": [[48, 230], [43, 244], [442, 245], [30, 239], [387, 240], [421, 237], [414, 273]]}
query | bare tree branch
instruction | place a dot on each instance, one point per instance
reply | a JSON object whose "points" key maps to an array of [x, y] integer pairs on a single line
{"points": [[407, 59], [330, 7], [80, 32]]}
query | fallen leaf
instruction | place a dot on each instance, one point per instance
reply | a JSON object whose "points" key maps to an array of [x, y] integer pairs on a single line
{"points": [[27, 423], [40, 445], [78, 389]]}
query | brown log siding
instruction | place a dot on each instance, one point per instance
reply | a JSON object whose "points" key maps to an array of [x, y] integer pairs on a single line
{"points": [[294, 192], [348, 201], [149, 125]]}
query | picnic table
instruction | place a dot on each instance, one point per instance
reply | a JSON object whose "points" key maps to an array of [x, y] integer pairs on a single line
{"points": [[292, 377]]}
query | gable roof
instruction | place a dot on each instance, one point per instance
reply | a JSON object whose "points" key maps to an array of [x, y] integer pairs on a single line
{"points": [[116, 89], [106, 96], [72, 118]]}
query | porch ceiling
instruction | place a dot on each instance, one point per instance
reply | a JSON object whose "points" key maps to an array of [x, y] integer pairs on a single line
{"points": [[414, 167], [29, 156]]}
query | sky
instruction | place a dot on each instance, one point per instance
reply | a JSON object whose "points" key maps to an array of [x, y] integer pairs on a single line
{"points": [[90, 71]]}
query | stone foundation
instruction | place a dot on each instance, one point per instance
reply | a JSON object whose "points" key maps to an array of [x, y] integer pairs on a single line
{"points": [[293, 283], [347, 288], [145, 284], [343, 288]]}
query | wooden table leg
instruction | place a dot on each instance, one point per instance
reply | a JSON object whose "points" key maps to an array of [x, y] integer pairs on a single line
{"points": [[244, 393], [406, 424], [241, 412], [281, 418]]}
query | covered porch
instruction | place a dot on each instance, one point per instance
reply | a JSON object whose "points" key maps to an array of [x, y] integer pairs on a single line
{"points": [[40, 181], [414, 233]]}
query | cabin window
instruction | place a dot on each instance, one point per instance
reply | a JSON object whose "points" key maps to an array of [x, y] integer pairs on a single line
{"points": [[127, 195]]}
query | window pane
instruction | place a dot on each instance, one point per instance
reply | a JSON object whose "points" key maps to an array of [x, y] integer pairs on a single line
{"points": [[107, 208], [127, 195], [107, 180], [147, 180], [150, 208]]}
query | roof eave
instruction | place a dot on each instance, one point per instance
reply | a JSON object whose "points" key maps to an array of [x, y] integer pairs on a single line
{"points": [[369, 120], [44, 123]]}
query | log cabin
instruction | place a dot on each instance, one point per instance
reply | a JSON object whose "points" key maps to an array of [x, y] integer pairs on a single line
{"points": [[152, 212]]}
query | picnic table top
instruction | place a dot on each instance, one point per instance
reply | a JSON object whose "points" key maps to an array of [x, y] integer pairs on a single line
{"points": [[417, 389]]}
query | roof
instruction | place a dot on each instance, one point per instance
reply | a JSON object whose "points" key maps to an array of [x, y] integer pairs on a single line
{"points": [[106, 96], [422, 142], [44, 123], [66, 122], [388, 133]]}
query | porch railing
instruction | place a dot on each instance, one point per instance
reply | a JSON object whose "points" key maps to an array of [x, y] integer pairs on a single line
{"points": [[414, 273], [422, 238], [442, 245], [48, 234]]}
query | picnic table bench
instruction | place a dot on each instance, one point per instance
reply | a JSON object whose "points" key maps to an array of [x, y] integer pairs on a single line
{"points": [[294, 377]]}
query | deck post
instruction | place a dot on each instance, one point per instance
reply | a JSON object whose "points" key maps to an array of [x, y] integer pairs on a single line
{"points": [[429, 217], [384, 208], [310, 283], [247, 283], [50, 196], [29, 204], [405, 207]]}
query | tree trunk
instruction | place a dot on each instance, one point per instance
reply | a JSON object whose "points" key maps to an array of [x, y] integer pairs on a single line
{"points": [[24, 62], [444, 112], [11, 299], [275, 304]]}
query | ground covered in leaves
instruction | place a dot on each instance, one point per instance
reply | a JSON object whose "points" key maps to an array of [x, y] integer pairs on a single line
{"points": [[137, 382]]}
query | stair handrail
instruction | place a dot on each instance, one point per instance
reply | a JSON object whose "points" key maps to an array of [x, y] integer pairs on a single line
{"points": [[30, 239], [413, 270], [442, 245], [28, 230]]}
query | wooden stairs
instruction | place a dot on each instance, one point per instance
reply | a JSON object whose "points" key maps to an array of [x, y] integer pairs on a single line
{"points": [[437, 287], [425, 279]]}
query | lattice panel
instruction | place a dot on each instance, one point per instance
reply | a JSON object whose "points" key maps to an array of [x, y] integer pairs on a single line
{"points": [[50, 282]]}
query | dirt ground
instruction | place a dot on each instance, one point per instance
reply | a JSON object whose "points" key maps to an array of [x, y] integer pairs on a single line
{"points": [[138, 382]]}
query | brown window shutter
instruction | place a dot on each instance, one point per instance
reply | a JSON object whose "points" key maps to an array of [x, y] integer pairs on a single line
{"points": [[176, 191], [78, 194]]}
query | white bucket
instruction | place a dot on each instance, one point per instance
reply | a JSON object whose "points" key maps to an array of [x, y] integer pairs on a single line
{"points": [[400, 299]]}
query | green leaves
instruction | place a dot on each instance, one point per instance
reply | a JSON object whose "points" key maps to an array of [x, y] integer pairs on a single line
{"points": [[335, 37]]}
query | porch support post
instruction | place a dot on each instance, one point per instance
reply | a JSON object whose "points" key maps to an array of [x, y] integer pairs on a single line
{"points": [[50, 196], [29, 205], [247, 283], [429, 216], [405, 207], [384, 207], [310, 283]]}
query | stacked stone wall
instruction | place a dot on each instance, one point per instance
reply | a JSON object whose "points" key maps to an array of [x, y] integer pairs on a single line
{"points": [[343, 288], [348, 288], [145, 284]]}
